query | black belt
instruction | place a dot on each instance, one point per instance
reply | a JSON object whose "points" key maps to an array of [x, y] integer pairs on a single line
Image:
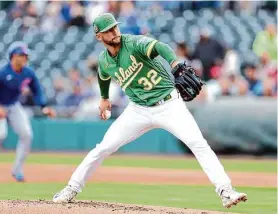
{"points": [[168, 97]]}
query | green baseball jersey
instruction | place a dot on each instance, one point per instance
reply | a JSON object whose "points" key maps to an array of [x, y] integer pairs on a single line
{"points": [[143, 79]]}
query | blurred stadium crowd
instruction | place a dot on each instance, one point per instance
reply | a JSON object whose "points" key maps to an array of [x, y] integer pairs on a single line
{"points": [[232, 45]]}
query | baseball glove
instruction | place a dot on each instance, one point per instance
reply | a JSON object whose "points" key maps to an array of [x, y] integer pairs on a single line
{"points": [[187, 81]]}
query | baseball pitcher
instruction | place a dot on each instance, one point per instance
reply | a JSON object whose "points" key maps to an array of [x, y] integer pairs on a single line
{"points": [[14, 76], [156, 101]]}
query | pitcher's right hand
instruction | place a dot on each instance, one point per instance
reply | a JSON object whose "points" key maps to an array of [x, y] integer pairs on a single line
{"points": [[105, 104]]}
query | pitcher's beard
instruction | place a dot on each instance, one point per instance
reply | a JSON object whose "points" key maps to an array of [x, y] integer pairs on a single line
{"points": [[112, 43]]}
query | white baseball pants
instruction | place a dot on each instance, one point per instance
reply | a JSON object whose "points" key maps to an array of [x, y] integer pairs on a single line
{"points": [[136, 120]]}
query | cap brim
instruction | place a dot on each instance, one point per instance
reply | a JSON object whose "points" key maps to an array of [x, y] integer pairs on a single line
{"points": [[109, 26], [23, 52]]}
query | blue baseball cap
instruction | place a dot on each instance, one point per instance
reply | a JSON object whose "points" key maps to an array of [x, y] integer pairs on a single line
{"points": [[19, 48]]}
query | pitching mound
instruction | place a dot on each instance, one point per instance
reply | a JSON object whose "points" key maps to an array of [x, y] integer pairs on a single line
{"points": [[83, 207]]}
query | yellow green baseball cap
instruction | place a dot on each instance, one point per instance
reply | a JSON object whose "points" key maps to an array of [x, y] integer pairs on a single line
{"points": [[104, 22]]}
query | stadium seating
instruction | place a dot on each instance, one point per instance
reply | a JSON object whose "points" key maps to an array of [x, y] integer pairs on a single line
{"points": [[56, 52]]}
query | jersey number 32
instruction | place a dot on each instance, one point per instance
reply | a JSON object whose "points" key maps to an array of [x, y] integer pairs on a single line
{"points": [[150, 81]]}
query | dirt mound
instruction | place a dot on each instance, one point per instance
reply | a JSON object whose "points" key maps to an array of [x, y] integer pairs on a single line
{"points": [[83, 207]]}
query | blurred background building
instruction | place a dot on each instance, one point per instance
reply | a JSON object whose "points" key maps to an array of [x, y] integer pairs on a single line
{"points": [[231, 44]]}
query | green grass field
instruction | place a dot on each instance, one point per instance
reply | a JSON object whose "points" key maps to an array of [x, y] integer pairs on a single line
{"points": [[260, 200], [267, 165]]}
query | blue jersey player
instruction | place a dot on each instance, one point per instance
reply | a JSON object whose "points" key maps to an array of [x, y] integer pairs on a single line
{"points": [[14, 76]]}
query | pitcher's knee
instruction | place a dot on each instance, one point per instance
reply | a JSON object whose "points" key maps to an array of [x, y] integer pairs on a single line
{"points": [[199, 144], [26, 136], [105, 150]]}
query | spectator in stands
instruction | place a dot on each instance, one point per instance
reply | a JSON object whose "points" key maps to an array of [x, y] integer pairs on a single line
{"points": [[5, 5], [77, 16], [182, 52], [215, 70], [267, 67], [127, 9], [129, 19], [92, 64], [17, 9], [95, 8], [266, 41], [60, 92], [267, 71], [229, 85], [75, 98], [233, 84], [153, 6], [52, 19], [176, 6], [74, 77], [27, 11], [31, 18], [270, 87], [65, 12], [87, 109], [198, 5], [73, 13], [41, 6], [114, 7], [249, 6], [231, 63], [255, 85], [269, 5], [209, 51], [87, 86], [197, 65]]}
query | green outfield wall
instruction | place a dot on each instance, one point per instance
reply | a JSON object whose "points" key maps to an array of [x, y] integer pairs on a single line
{"points": [[69, 135]]}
